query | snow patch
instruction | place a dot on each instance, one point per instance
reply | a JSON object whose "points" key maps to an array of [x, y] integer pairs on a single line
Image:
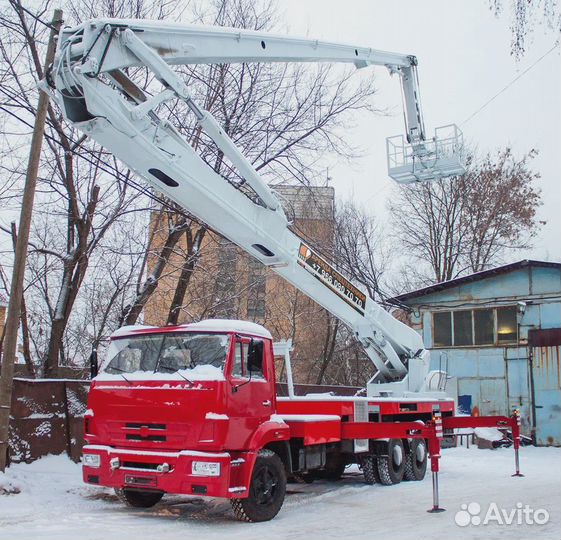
{"points": [[43, 429], [208, 325], [54, 504], [130, 329], [229, 325], [488, 433], [9, 486], [198, 373]]}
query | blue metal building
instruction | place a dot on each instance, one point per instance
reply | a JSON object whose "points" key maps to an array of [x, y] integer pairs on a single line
{"points": [[499, 333]]}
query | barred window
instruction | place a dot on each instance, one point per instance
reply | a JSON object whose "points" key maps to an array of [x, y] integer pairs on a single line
{"points": [[473, 327]]}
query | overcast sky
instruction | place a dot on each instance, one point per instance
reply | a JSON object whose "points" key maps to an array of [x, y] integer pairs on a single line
{"points": [[464, 60]]}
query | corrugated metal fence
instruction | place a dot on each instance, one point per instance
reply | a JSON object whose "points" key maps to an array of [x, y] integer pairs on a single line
{"points": [[46, 418]]}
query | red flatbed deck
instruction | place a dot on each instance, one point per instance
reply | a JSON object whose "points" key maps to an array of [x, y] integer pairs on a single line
{"points": [[326, 419], [346, 405]]}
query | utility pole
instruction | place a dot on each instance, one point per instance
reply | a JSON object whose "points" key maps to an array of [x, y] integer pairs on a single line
{"points": [[16, 290]]}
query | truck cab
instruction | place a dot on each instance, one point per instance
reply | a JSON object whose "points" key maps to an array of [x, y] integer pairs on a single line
{"points": [[181, 409]]}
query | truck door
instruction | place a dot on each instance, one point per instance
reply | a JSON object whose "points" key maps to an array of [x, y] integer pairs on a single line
{"points": [[251, 389]]}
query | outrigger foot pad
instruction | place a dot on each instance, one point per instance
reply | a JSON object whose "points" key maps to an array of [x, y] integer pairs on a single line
{"points": [[436, 510]]}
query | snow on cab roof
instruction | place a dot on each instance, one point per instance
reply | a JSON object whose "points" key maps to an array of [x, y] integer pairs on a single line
{"points": [[208, 325]]}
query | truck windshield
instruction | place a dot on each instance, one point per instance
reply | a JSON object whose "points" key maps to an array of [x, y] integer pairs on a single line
{"points": [[166, 353]]}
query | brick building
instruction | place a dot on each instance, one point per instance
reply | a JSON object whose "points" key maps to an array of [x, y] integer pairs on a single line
{"points": [[228, 283]]}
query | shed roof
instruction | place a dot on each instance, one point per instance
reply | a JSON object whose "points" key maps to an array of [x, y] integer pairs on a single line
{"points": [[477, 276]]}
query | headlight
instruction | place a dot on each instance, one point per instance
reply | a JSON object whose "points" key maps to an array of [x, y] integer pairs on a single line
{"points": [[205, 468], [91, 460]]}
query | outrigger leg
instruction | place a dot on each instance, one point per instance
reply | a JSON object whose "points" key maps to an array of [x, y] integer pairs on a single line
{"points": [[434, 451], [516, 441]]}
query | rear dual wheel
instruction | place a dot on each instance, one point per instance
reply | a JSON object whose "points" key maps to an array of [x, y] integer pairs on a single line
{"points": [[416, 460], [369, 465], [396, 463], [391, 465]]}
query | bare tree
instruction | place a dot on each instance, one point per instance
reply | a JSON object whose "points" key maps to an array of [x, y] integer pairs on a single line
{"points": [[176, 224], [466, 224], [361, 251], [83, 191], [361, 254], [287, 119], [525, 15], [284, 118]]}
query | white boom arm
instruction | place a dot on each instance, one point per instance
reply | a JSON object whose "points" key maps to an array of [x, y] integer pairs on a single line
{"points": [[89, 83]]}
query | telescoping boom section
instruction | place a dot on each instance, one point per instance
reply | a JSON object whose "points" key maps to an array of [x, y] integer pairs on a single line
{"points": [[89, 81]]}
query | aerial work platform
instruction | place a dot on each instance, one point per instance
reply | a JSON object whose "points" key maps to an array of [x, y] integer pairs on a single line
{"points": [[425, 160]]}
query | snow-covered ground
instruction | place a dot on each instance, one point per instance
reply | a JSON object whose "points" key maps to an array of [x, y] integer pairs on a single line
{"points": [[53, 503]]}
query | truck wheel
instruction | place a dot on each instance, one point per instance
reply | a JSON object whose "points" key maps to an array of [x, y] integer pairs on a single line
{"points": [[139, 499], [392, 466], [266, 491], [334, 471], [370, 470], [416, 460]]}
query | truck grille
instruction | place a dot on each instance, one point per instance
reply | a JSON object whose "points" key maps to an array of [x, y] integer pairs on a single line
{"points": [[140, 465], [137, 433], [139, 425], [138, 437], [145, 432]]}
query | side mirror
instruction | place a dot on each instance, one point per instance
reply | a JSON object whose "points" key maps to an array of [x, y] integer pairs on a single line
{"points": [[94, 367]]}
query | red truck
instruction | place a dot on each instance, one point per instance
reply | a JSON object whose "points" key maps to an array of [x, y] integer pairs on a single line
{"points": [[192, 409]]}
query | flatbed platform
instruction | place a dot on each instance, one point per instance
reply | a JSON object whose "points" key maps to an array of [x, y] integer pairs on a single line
{"points": [[358, 408]]}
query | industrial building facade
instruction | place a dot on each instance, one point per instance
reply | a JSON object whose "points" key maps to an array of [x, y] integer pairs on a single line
{"points": [[499, 333]]}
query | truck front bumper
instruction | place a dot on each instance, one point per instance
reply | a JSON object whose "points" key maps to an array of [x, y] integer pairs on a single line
{"points": [[185, 472]]}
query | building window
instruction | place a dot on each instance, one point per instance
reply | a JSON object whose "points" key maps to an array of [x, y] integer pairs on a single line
{"points": [[463, 328], [506, 324], [475, 327], [483, 327], [442, 328], [256, 291]]}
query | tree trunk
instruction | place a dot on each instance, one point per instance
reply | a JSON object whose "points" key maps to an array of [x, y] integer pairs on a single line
{"points": [[23, 319], [25, 339], [193, 248], [329, 349], [134, 309]]}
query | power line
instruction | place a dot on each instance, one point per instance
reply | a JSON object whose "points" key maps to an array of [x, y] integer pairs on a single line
{"points": [[31, 14], [101, 166], [510, 84]]}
